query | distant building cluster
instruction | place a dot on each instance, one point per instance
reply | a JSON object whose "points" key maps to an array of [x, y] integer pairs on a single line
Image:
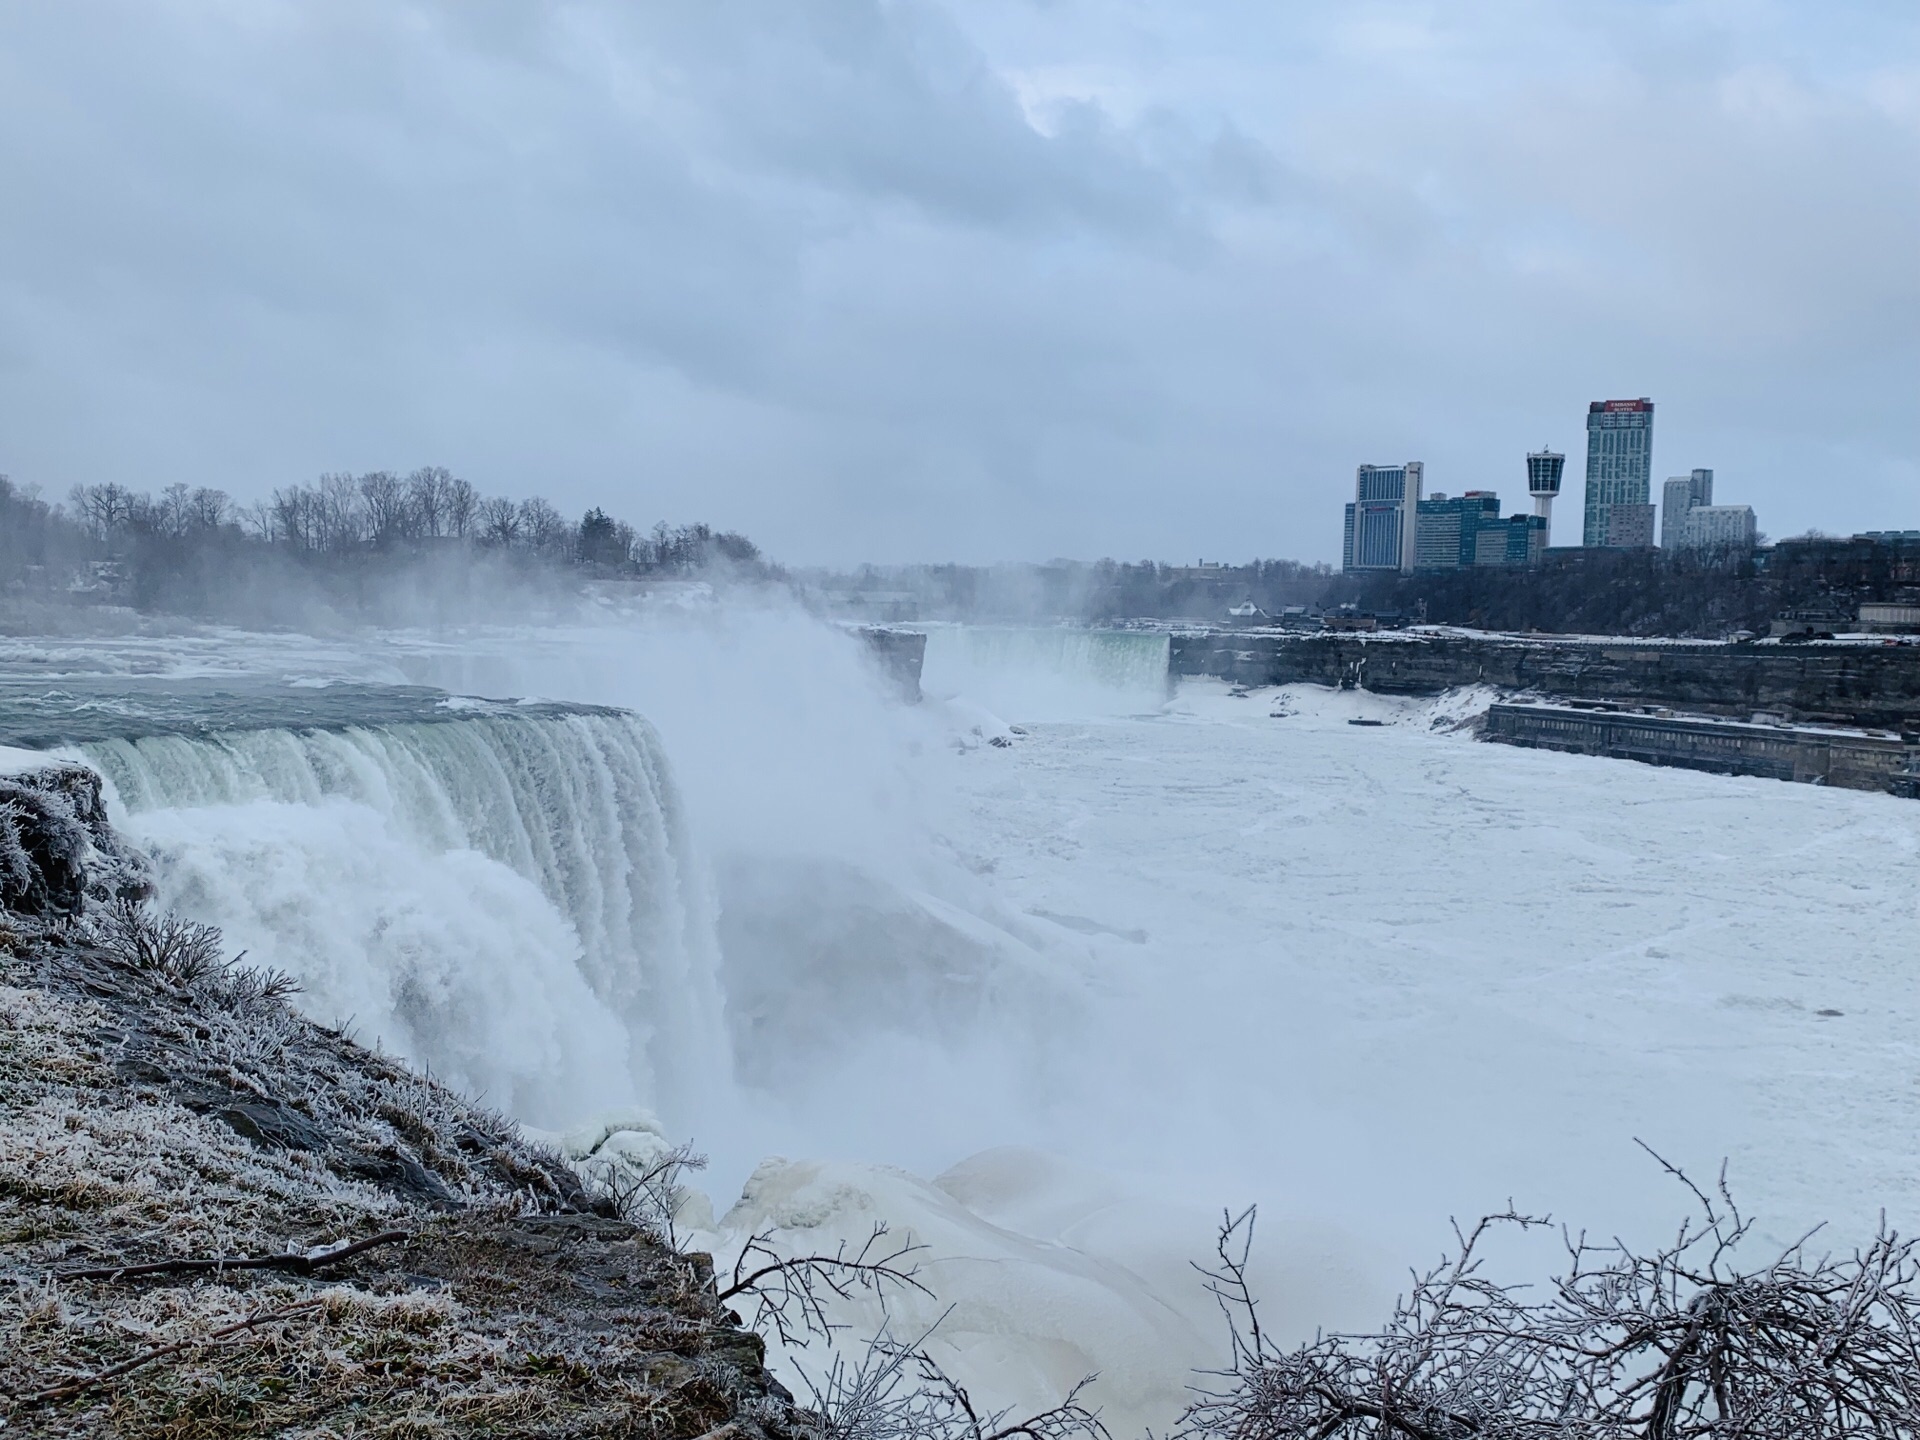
{"points": [[1391, 525]]}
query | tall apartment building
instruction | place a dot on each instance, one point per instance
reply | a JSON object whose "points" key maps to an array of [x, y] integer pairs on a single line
{"points": [[1678, 496], [1380, 521], [1619, 471]]}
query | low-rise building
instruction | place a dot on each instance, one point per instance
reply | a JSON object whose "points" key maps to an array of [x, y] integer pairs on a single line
{"points": [[1890, 616], [1447, 529], [1629, 526]]}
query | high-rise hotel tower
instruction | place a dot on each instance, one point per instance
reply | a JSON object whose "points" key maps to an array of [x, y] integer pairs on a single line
{"points": [[1619, 473], [1380, 521]]}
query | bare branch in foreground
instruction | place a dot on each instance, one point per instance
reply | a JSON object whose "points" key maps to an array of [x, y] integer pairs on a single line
{"points": [[1682, 1343], [897, 1391], [651, 1197], [792, 1292]]}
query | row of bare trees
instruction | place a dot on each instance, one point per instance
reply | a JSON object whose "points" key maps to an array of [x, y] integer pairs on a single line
{"points": [[194, 549], [380, 511]]}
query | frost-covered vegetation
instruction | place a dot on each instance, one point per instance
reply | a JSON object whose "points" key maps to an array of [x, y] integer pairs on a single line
{"points": [[159, 1114]]}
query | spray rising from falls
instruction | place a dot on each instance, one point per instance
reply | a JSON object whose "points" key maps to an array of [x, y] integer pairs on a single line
{"points": [[509, 901]]}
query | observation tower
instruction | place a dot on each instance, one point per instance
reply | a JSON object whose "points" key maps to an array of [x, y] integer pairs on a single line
{"points": [[1543, 483]]}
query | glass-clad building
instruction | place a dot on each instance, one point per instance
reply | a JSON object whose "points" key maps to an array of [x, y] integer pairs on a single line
{"points": [[1464, 531], [1619, 465]]}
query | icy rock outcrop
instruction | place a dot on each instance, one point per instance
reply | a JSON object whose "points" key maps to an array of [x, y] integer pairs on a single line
{"points": [[56, 846]]}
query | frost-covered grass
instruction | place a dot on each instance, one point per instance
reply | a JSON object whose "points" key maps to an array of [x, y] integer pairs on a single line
{"points": [[507, 1309]]}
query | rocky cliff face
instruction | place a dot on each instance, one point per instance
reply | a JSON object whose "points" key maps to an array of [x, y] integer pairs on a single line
{"points": [[1874, 685], [159, 1106]]}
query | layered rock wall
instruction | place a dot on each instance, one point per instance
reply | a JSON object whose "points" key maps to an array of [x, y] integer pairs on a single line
{"points": [[1872, 685]]}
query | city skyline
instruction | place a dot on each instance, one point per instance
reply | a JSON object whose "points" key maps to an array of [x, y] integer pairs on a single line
{"points": [[1618, 509]]}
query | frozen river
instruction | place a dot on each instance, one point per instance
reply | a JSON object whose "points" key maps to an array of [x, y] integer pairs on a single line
{"points": [[1375, 977], [1477, 971]]}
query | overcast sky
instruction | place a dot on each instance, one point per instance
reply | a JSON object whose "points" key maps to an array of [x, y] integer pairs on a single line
{"points": [[913, 280]]}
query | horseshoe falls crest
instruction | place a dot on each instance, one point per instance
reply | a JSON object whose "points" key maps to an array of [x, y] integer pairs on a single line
{"points": [[509, 901]]}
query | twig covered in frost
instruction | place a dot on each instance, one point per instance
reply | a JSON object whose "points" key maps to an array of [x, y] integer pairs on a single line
{"points": [[792, 1292], [1680, 1343], [300, 1263], [649, 1197], [184, 951], [897, 1391], [891, 1391]]}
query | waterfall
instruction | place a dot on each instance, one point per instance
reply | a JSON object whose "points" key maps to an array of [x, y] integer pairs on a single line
{"points": [[1050, 673], [509, 901]]}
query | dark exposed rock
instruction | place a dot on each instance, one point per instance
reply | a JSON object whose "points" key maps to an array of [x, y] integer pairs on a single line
{"points": [[1875, 685], [267, 1122], [396, 1172]]}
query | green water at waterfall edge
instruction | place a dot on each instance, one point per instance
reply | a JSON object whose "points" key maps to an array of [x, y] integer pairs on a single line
{"points": [[42, 715]]}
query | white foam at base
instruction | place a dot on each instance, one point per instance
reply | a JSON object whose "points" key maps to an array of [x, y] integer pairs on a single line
{"points": [[446, 957]]}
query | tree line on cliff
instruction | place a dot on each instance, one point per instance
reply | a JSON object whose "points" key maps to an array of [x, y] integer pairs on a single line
{"points": [[348, 542], [1646, 592]]}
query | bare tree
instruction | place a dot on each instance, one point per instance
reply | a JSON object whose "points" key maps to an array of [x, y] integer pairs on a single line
{"points": [[1682, 1343], [209, 509], [499, 522], [293, 518], [172, 513], [427, 500], [385, 501], [339, 519], [103, 511], [545, 530], [462, 506]]}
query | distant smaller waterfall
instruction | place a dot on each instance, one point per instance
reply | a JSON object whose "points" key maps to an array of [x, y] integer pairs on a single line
{"points": [[1048, 673]]}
